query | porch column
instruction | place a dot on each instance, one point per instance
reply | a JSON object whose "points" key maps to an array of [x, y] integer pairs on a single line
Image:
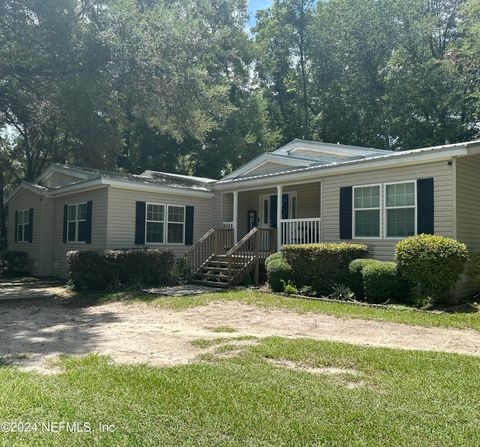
{"points": [[279, 216], [235, 216]]}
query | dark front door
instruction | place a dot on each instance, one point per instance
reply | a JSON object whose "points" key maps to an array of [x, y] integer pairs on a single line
{"points": [[273, 209]]}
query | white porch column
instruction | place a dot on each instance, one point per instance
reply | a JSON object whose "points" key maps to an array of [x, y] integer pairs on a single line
{"points": [[235, 216], [279, 216]]}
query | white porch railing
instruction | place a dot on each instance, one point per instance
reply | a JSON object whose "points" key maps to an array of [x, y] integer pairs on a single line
{"points": [[300, 231], [228, 225]]}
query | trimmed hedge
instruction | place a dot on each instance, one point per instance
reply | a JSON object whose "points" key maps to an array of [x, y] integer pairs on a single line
{"points": [[14, 261], [378, 281], [120, 269], [279, 272], [321, 266], [432, 264]]}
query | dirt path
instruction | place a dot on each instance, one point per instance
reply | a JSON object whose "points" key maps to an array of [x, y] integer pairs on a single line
{"points": [[31, 333]]}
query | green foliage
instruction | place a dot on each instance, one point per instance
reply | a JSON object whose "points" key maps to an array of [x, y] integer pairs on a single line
{"points": [[356, 277], [473, 269], [432, 264], [342, 292], [289, 288], [320, 266], [278, 272], [120, 269], [14, 261], [382, 283]]}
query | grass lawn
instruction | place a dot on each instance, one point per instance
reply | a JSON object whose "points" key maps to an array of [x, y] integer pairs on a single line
{"points": [[397, 314], [395, 398]]}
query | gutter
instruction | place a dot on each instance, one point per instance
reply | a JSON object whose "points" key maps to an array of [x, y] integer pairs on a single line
{"points": [[418, 156]]}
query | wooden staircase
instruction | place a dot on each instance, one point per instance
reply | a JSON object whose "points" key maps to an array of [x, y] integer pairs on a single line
{"points": [[215, 261]]}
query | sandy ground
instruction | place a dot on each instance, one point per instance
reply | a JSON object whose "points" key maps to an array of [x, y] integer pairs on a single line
{"points": [[34, 331]]}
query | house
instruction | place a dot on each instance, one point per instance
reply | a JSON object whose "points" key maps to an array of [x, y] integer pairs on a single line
{"points": [[327, 192]]}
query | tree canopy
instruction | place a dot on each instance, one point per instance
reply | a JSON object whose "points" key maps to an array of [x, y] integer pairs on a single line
{"points": [[184, 86]]}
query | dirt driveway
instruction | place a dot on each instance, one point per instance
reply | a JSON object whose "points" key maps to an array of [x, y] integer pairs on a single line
{"points": [[32, 332]]}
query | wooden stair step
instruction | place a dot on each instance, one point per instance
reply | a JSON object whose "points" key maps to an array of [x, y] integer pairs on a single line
{"points": [[212, 275]]}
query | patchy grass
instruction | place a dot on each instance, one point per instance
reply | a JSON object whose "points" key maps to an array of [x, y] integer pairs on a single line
{"points": [[394, 398], [225, 329], [207, 343], [398, 314]]}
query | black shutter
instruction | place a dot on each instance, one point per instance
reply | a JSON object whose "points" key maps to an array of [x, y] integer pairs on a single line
{"points": [[189, 225], [65, 217], [140, 223], [30, 227], [346, 212], [425, 206], [16, 226], [88, 229]]}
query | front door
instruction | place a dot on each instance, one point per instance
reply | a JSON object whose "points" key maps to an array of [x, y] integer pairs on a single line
{"points": [[273, 209]]}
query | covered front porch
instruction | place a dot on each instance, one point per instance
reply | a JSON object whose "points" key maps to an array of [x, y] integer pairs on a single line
{"points": [[296, 221]]}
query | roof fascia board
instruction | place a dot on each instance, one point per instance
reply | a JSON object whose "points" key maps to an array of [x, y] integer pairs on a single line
{"points": [[62, 170], [346, 168], [158, 189], [262, 160], [28, 187]]}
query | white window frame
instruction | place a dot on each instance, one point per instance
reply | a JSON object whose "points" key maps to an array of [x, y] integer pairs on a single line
{"points": [[157, 221], [385, 208], [376, 238], [77, 220], [25, 212], [165, 222], [168, 223]]}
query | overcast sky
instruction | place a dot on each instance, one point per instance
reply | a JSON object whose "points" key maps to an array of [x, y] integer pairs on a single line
{"points": [[253, 5]]}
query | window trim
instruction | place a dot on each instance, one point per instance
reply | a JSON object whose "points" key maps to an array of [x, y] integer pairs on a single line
{"points": [[183, 223], [24, 212], [76, 241], [373, 238], [385, 208], [165, 223], [146, 222]]}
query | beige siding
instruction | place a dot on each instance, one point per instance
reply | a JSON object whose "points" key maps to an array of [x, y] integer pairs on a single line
{"points": [[99, 198], [122, 216], [26, 200], [468, 210], [58, 179], [384, 249]]}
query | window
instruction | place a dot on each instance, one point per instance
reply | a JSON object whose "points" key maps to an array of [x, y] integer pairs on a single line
{"points": [[155, 224], [77, 223], [400, 203], [165, 224], [176, 224], [366, 211], [23, 221]]}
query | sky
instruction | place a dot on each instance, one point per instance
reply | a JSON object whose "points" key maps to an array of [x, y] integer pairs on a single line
{"points": [[253, 5]]}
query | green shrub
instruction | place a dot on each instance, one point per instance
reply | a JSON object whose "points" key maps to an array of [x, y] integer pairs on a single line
{"points": [[321, 266], [88, 271], [279, 272], [120, 269], [432, 265], [14, 261], [356, 276], [342, 292], [382, 283], [289, 288]]}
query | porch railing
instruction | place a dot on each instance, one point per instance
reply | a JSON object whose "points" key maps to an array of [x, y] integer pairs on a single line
{"points": [[213, 242], [228, 225], [300, 231]]}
